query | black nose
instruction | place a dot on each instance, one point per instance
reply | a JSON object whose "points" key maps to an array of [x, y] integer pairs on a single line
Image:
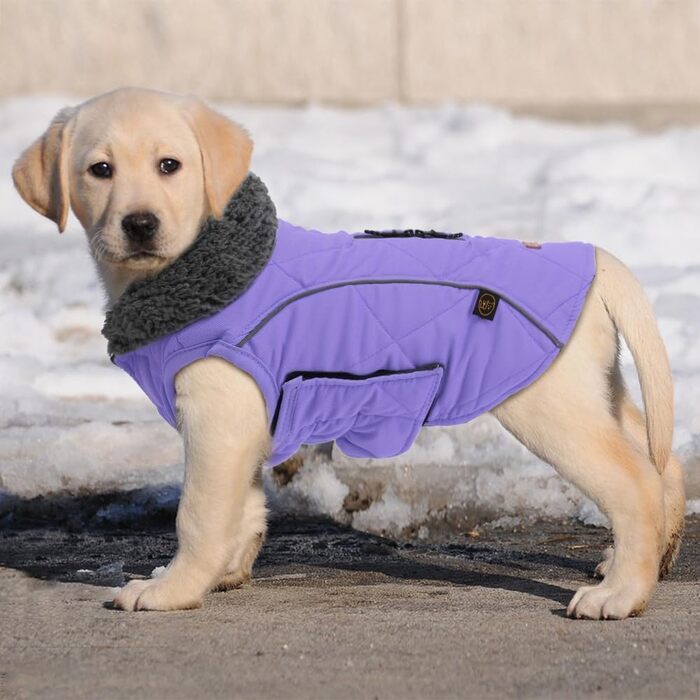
{"points": [[140, 226]]}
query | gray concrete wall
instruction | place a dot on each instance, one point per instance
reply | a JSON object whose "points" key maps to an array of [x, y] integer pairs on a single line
{"points": [[515, 52]]}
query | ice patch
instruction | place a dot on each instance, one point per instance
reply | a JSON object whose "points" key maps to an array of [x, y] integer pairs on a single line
{"points": [[90, 457], [315, 490], [86, 382], [389, 515], [111, 574]]}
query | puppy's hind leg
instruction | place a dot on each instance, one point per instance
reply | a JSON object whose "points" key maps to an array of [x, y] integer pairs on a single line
{"points": [[591, 452], [632, 421], [567, 419], [248, 541], [673, 485]]}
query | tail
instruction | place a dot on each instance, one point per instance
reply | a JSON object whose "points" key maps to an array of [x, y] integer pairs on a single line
{"points": [[633, 316]]}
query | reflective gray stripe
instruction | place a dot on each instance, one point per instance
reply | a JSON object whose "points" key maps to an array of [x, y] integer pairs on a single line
{"points": [[435, 283]]}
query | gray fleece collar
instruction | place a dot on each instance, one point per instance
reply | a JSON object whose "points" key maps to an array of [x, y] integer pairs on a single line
{"points": [[227, 255]]}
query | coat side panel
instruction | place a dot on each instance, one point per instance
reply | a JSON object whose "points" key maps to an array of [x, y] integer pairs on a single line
{"points": [[343, 304]]}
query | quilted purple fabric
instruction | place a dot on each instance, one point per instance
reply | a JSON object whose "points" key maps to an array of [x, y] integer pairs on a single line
{"points": [[363, 339]]}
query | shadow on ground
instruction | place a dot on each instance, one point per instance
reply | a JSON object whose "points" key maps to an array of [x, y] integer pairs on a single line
{"points": [[75, 540]]}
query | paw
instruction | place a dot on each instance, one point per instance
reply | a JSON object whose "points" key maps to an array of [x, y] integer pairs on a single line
{"points": [[233, 579], [601, 571], [603, 602], [155, 594], [240, 569]]}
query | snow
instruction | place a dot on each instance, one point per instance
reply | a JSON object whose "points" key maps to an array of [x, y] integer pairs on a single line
{"points": [[70, 422]]}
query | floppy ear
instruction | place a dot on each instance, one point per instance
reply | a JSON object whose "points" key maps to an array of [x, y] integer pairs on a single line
{"points": [[40, 174], [226, 149]]}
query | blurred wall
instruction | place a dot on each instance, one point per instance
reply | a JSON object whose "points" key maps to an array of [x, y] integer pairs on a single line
{"points": [[514, 52]]}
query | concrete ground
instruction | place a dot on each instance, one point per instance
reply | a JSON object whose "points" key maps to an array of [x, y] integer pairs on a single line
{"points": [[334, 613]]}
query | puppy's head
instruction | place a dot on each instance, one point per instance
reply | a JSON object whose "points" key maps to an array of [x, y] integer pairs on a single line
{"points": [[140, 169]]}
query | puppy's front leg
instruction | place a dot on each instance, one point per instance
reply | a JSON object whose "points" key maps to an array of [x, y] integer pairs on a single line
{"points": [[223, 422]]}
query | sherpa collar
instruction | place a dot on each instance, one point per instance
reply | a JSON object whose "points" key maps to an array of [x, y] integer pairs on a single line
{"points": [[227, 255]]}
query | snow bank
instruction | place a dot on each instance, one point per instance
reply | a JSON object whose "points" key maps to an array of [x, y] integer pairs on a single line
{"points": [[72, 423]]}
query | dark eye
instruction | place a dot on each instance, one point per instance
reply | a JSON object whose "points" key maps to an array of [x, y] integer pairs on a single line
{"points": [[169, 165], [103, 170]]}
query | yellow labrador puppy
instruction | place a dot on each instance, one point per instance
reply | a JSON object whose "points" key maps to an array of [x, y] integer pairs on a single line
{"points": [[111, 158]]}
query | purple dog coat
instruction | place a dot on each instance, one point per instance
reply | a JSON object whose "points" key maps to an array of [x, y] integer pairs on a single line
{"points": [[364, 338]]}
